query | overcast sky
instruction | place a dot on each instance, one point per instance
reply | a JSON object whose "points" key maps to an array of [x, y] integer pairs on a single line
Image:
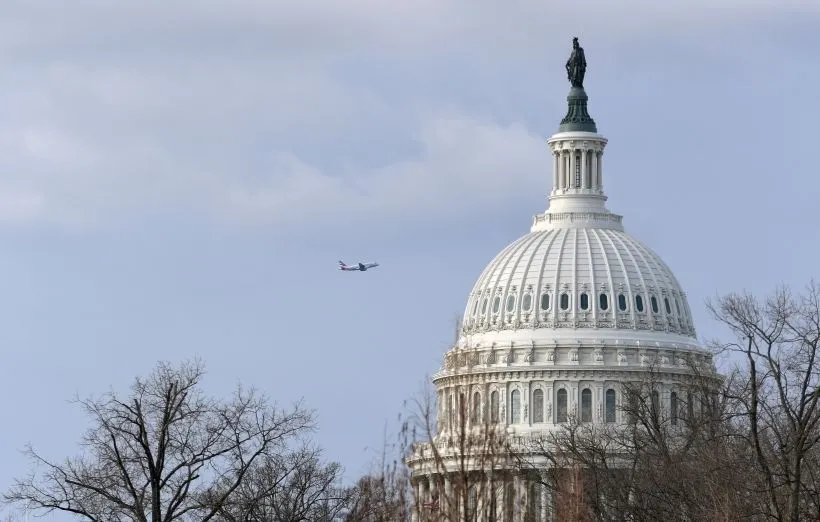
{"points": [[179, 178]]}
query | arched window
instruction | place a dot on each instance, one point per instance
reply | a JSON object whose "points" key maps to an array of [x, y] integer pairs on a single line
{"points": [[510, 303], [639, 303], [656, 403], [484, 306], [690, 407], [494, 407], [622, 302], [534, 501], [526, 303], [515, 407], [666, 305], [493, 505], [584, 301], [509, 501], [496, 304], [475, 306], [564, 301], [603, 302], [472, 503], [538, 405], [673, 408], [586, 405], [654, 304], [561, 409], [545, 302], [610, 405], [475, 412]]}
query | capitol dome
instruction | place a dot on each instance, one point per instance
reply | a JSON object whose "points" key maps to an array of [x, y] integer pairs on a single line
{"points": [[558, 328], [580, 282]]}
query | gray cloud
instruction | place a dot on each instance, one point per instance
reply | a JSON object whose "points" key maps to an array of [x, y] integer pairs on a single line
{"points": [[228, 110]]}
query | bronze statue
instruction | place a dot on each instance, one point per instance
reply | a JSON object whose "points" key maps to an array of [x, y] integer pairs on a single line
{"points": [[576, 65]]}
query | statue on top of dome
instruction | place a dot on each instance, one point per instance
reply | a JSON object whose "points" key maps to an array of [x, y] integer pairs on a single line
{"points": [[576, 65]]}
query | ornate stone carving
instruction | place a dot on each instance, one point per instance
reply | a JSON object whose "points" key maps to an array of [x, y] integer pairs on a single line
{"points": [[622, 357], [530, 358], [509, 358], [599, 355]]}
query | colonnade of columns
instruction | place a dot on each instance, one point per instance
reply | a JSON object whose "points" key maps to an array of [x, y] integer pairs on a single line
{"points": [[511, 498], [577, 169]]}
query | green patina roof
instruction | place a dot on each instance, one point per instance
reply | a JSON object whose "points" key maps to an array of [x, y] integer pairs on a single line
{"points": [[577, 118]]}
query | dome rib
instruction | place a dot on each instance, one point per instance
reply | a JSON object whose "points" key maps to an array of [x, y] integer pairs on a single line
{"points": [[613, 300], [557, 288]]}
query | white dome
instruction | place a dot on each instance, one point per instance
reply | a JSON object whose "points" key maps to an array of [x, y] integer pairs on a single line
{"points": [[561, 281]]}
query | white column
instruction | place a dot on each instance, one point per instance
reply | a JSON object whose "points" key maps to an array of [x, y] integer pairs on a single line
{"points": [[596, 182], [500, 501], [584, 171], [416, 514], [599, 170], [543, 500], [447, 503], [572, 169], [556, 171], [564, 169]]}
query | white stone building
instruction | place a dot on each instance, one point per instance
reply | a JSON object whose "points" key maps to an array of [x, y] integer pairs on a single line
{"points": [[554, 326]]}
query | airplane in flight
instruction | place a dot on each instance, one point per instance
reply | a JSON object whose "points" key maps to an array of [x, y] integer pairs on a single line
{"points": [[361, 267]]}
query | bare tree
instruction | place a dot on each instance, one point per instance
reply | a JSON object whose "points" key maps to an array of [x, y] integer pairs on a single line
{"points": [[383, 495], [294, 486], [660, 464], [463, 443], [165, 452], [777, 342]]}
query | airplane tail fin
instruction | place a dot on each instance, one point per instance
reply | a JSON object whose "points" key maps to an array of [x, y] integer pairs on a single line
{"points": [[342, 265]]}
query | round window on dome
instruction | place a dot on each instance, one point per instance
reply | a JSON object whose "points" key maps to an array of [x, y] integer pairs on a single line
{"points": [[564, 301], [666, 305], [639, 303], [510, 303], [654, 304], [526, 302], [496, 304], [622, 302], [584, 301], [603, 301], [484, 306], [545, 302]]}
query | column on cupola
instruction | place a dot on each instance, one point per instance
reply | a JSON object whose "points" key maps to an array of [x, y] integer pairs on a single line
{"points": [[556, 171], [564, 168], [596, 183], [572, 166], [599, 170], [584, 169]]}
